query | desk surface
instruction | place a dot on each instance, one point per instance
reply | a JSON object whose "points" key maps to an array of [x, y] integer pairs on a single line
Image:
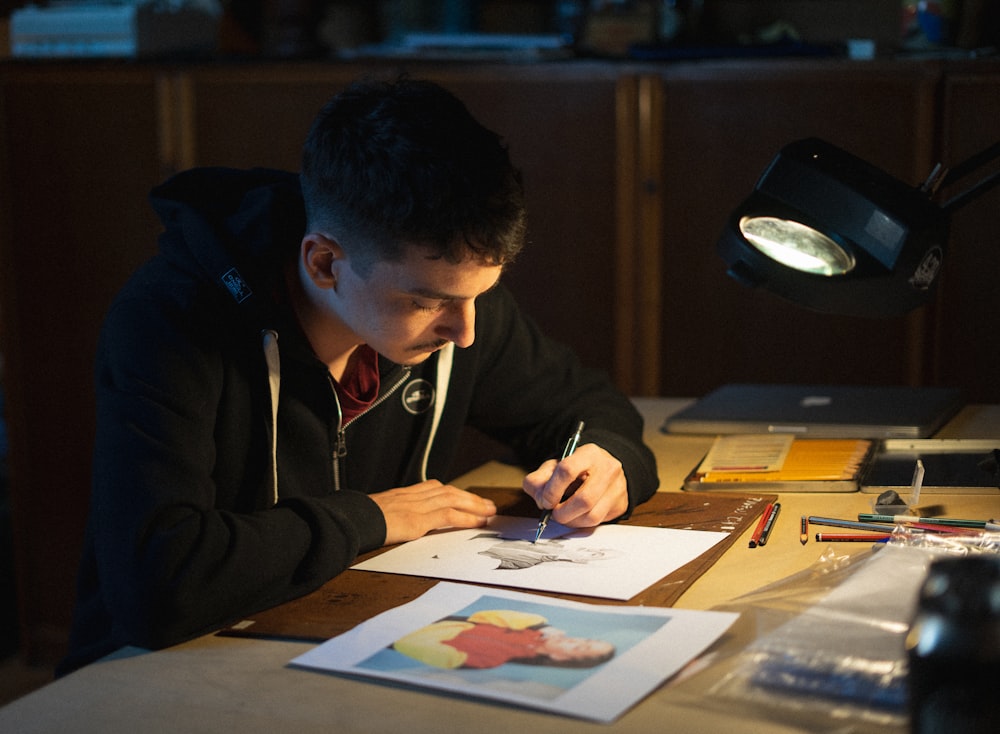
{"points": [[230, 684]]}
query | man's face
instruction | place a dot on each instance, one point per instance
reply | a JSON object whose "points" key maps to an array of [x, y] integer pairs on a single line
{"points": [[407, 310]]}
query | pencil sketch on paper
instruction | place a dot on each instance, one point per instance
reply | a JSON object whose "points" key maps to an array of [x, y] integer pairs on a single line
{"points": [[581, 660], [609, 561], [515, 553]]}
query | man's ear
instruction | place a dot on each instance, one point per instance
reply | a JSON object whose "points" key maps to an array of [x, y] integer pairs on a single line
{"points": [[322, 258]]}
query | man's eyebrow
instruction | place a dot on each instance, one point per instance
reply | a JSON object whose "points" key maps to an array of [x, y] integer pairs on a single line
{"points": [[442, 296]]}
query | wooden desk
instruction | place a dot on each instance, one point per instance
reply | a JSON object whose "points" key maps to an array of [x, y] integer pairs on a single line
{"points": [[741, 570], [217, 683]]}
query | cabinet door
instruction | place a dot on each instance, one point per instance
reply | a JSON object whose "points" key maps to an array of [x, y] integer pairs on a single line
{"points": [[560, 127], [79, 152], [721, 126], [970, 338], [250, 116], [561, 133]]}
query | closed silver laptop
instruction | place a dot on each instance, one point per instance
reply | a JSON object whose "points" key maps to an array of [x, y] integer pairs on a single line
{"points": [[819, 411]]}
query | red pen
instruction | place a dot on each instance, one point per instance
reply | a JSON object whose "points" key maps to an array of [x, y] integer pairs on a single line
{"points": [[755, 538]]}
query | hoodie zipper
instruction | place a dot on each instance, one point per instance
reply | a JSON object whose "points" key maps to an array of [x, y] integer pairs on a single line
{"points": [[340, 446]]}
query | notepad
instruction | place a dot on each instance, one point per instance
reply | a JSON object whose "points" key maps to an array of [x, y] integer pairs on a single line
{"points": [[747, 463]]}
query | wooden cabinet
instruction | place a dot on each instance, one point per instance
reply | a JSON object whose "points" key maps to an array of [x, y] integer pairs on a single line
{"points": [[968, 344], [630, 172], [721, 125]]}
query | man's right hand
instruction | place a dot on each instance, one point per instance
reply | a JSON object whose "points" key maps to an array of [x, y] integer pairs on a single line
{"points": [[411, 512]]}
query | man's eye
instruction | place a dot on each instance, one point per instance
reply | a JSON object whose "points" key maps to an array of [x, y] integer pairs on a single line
{"points": [[428, 305]]}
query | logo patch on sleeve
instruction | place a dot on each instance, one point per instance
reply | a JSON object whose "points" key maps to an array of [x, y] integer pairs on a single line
{"points": [[236, 286]]}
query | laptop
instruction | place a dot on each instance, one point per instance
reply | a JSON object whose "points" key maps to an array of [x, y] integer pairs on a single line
{"points": [[819, 411]]}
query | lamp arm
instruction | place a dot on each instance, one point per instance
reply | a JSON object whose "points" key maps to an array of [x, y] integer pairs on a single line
{"points": [[965, 168], [960, 200]]}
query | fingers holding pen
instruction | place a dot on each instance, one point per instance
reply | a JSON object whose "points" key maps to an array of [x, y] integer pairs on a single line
{"points": [[583, 489]]}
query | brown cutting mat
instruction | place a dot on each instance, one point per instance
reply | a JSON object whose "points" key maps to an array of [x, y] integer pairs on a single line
{"points": [[354, 596]]}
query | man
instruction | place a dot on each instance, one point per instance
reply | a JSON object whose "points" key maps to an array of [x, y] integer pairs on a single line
{"points": [[283, 386]]}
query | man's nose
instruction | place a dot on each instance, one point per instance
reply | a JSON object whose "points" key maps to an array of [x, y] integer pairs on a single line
{"points": [[460, 324]]}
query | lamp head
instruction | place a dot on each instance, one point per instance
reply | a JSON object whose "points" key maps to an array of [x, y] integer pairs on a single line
{"points": [[831, 232]]}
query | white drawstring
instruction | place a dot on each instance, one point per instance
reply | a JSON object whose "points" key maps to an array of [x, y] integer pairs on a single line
{"points": [[445, 357], [273, 359]]}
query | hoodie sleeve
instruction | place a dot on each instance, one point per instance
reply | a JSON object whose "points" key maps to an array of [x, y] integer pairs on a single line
{"points": [[531, 390], [177, 554]]}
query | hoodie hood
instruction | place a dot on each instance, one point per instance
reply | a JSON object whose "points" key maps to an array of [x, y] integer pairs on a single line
{"points": [[230, 227]]}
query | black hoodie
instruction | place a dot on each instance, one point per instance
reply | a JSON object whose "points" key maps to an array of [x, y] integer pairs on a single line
{"points": [[204, 511]]}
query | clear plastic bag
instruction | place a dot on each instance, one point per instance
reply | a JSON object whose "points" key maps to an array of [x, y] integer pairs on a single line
{"points": [[824, 649]]}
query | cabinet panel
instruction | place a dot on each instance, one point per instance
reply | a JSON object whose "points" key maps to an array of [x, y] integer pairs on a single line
{"points": [[257, 116], [970, 338], [720, 129], [559, 125], [79, 154], [561, 134]]}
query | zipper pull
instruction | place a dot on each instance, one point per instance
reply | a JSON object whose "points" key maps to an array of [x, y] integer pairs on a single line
{"points": [[340, 450]]}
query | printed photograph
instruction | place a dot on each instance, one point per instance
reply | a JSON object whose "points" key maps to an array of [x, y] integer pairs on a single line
{"points": [[587, 661], [540, 649]]}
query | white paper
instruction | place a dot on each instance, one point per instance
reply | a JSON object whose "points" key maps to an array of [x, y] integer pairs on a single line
{"points": [[647, 646], [745, 453], [609, 561]]}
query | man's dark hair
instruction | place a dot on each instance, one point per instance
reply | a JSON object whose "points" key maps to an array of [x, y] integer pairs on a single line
{"points": [[388, 165]]}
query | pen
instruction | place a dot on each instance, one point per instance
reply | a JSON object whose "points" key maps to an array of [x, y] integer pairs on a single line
{"points": [[769, 525], [755, 538], [570, 448], [804, 531]]}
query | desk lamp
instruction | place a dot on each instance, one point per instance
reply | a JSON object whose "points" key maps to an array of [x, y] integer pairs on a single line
{"points": [[833, 233]]}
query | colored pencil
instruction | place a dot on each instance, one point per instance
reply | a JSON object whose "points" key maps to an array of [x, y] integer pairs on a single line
{"points": [[837, 523], [952, 521], [851, 537]]}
